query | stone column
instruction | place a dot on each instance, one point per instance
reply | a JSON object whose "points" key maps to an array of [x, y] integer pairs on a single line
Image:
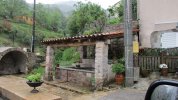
{"points": [[80, 50], [49, 64], [101, 63]]}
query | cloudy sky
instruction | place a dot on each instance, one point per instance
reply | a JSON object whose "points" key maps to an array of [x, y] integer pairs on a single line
{"points": [[103, 3]]}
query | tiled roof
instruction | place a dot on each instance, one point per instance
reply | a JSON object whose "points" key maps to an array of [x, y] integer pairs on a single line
{"points": [[93, 36]]}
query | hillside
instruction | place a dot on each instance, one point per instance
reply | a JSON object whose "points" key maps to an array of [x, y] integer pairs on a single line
{"points": [[66, 7], [20, 34]]}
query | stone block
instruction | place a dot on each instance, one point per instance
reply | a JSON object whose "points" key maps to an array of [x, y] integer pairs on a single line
{"points": [[136, 73], [88, 75]]}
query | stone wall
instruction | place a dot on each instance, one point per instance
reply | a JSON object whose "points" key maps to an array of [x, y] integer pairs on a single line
{"points": [[111, 75], [31, 60], [13, 60], [76, 76], [113, 28], [88, 63]]}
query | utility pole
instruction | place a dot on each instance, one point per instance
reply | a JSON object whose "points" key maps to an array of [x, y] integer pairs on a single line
{"points": [[128, 43], [33, 29]]}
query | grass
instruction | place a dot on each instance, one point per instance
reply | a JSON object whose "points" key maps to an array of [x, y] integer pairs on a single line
{"points": [[27, 29], [24, 34]]}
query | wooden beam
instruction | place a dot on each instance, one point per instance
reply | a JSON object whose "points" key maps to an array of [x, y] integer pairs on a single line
{"points": [[73, 44]]}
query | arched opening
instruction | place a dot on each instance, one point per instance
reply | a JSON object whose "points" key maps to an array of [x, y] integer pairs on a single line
{"points": [[13, 62]]}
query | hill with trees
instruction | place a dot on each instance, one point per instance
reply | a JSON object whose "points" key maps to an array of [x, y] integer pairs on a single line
{"points": [[55, 20]]}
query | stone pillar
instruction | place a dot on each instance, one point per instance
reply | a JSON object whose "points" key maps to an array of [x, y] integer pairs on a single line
{"points": [[101, 63], [49, 64], [80, 50]]}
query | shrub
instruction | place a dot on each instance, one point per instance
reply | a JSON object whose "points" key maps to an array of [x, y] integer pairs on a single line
{"points": [[39, 70], [34, 77], [118, 68], [67, 57]]}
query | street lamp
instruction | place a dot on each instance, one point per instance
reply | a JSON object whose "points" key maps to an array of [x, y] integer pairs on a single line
{"points": [[33, 28]]}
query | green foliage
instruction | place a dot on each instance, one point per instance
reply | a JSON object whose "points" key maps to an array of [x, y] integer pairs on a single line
{"points": [[113, 21], [12, 8], [39, 70], [70, 54], [58, 56], [67, 57], [35, 75], [117, 11], [87, 16], [119, 67], [50, 18], [121, 60], [90, 31]]}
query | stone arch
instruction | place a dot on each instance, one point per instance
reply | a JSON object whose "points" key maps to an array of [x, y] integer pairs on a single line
{"points": [[12, 60]]}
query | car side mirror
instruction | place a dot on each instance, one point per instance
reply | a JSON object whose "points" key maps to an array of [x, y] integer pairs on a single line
{"points": [[162, 90]]}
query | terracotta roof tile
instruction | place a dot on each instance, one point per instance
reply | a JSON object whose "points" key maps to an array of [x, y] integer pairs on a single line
{"points": [[93, 36]]}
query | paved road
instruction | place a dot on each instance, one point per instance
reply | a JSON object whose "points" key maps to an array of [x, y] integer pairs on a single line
{"points": [[119, 94], [125, 94]]}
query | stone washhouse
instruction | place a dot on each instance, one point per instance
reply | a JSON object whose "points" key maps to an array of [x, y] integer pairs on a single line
{"points": [[101, 71], [15, 61]]}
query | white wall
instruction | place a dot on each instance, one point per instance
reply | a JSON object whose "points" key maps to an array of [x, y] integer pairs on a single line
{"points": [[156, 15], [169, 40]]}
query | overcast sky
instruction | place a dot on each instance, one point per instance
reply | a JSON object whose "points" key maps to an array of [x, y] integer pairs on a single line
{"points": [[103, 3]]}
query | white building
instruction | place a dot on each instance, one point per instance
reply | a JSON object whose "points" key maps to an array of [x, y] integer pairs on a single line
{"points": [[158, 20]]}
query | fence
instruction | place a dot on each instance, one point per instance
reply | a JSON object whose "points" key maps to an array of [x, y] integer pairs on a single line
{"points": [[152, 62]]}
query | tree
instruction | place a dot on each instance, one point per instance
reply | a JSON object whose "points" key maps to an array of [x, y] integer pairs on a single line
{"points": [[50, 17], [117, 11], [88, 18], [11, 8]]}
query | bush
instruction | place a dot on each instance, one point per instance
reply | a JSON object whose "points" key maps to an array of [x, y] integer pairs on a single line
{"points": [[35, 75], [118, 68], [39, 70], [58, 56], [67, 57]]}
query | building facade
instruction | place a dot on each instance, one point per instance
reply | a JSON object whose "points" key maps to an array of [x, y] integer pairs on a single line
{"points": [[157, 21]]}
